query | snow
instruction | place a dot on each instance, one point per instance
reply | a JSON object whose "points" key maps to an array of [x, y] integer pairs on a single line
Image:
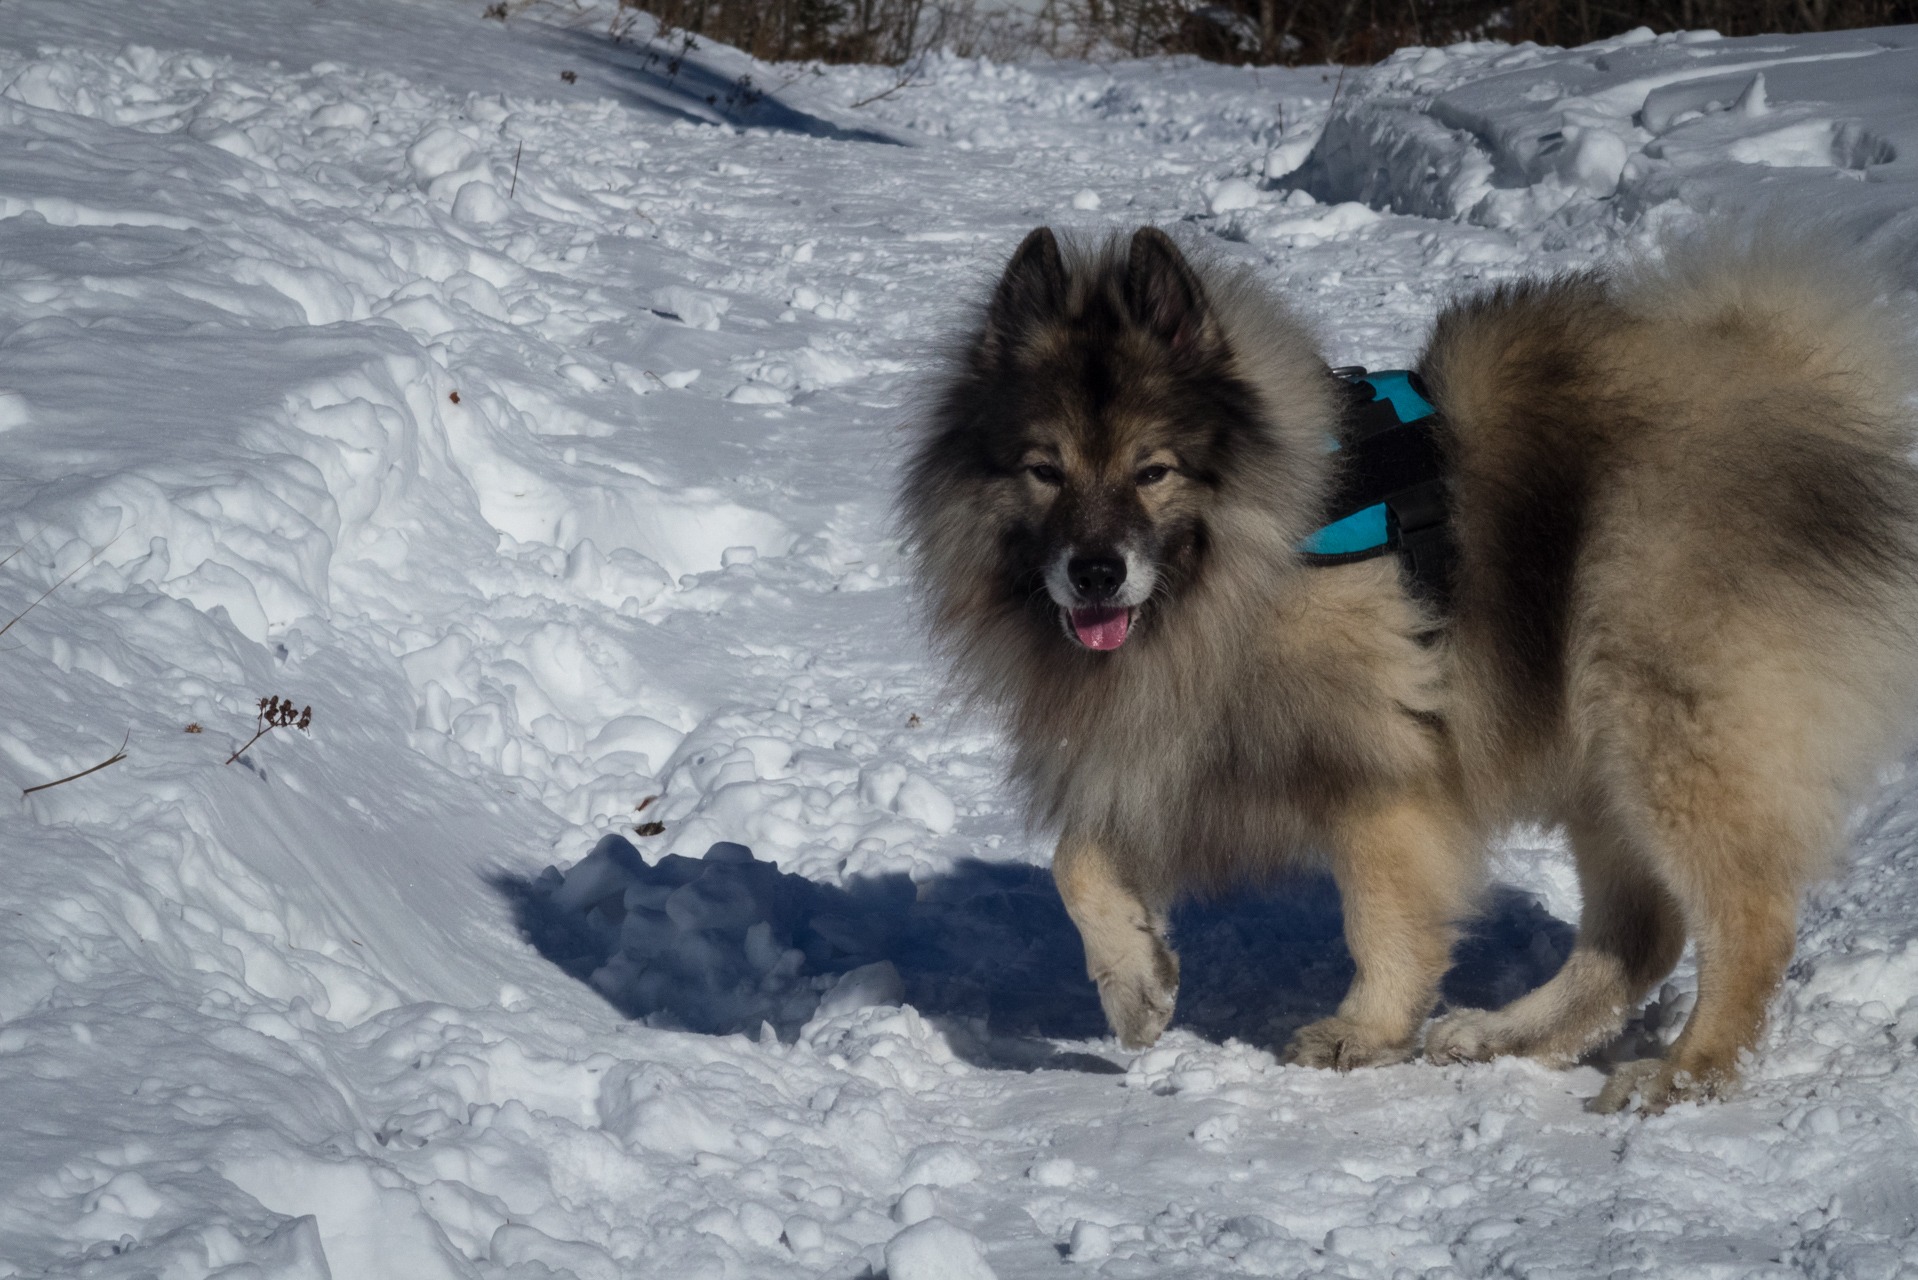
{"points": [[540, 434], [1510, 137], [936, 1250]]}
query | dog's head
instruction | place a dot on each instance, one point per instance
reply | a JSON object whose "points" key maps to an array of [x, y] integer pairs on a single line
{"points": [[1090, 451]]}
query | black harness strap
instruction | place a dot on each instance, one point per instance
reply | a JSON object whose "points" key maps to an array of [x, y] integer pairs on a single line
{"points": [[1384, 460]]}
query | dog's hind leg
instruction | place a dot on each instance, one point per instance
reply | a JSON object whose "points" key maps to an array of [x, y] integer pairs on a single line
{"points": [[1740, 897], [1734, 793], [1743, 952], [1126, 951], [1630, 934], [1404, 882]]}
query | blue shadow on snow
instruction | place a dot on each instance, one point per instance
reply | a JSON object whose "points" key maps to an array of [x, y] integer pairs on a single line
{"points": [[727, 943], [658, 75]]}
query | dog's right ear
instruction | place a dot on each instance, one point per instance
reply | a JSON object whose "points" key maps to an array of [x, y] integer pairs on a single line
{"points": [[1031, 292], [1164, 295]]}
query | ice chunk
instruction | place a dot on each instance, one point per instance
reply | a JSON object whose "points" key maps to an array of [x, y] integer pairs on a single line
{"points": [[1234, 193], [342, 115], [608, 869], [861, 988], [479, 203], [1057, 1172], [940, 1164], [445, 160], [1288, 156], [919, 799], [439, 151], [758, 393], [646, 932], [914, 1205], [1090, 1242], [1592, 160], [641, 734], [714, 901], [691, 307], [936, 1250]]}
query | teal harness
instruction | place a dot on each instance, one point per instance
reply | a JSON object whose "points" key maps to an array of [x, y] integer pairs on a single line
{"points": [[1391, 497]]}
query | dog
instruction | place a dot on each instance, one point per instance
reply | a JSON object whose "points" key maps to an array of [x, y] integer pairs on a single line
{"points": [[1679, 626]]}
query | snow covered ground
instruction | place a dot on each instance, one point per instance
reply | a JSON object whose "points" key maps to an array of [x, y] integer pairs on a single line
{"points": [[528, 405]]}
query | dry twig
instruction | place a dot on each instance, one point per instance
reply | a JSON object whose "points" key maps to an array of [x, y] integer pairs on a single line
{"points": [[115, 758], [904, 82], [1335, 94], [55, 587]]}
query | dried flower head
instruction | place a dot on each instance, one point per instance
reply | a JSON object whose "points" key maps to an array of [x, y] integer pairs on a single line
{"points": [[273, 713]]}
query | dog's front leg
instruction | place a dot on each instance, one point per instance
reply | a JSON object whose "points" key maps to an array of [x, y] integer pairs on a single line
{"points": [[1126, 951], [1404, 882]]}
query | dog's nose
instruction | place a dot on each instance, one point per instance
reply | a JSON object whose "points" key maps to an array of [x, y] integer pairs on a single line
{"points": [[1096, 577]]}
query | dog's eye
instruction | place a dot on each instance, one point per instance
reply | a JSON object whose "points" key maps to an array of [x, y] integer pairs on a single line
{"points": [[1152, 475], [1046, 473]]}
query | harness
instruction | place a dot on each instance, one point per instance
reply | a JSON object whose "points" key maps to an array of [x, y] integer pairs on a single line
{"points": [[1391, 497]]}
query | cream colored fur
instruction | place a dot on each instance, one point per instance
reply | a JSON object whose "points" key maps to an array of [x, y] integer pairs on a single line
{"points": [[1683, 630]]}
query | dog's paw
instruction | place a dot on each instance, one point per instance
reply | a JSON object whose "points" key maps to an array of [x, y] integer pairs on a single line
{"points": [[1138, 1006], [1470, 1035], [1342, 1045], [1138, 995], [1479, 1035], [1652, 1084]]}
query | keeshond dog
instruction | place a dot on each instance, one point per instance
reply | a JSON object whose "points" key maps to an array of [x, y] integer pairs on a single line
{"points": [[1679, 624]]}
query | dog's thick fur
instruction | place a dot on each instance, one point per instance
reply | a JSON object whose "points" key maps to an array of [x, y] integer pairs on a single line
{"points": [[1682, 626]]}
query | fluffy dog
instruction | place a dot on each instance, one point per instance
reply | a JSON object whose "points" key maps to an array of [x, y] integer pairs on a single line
{"points": [[1680, 626]]}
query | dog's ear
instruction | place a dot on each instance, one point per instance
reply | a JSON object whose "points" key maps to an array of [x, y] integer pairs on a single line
{"points": [[1164, 296], [1031, 292]]}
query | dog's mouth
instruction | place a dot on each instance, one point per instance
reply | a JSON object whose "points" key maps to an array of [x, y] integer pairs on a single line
{"points": [[1101, 627]]}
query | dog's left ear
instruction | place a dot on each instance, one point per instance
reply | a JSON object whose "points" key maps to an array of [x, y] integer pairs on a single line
{"points": [[1164, 295], [1031, 293]]}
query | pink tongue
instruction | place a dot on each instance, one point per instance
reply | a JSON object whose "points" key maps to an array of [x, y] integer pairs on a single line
{"points": [[1101, 628]]}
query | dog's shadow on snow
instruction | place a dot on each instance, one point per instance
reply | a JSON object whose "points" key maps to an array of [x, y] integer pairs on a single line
{"points": [[987, 951]]}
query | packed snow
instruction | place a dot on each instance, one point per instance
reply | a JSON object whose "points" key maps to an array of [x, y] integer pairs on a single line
{"points": [[528, 403]]}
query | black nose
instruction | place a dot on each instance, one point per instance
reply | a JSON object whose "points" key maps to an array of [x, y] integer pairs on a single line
{"points": [[1096, 577]]}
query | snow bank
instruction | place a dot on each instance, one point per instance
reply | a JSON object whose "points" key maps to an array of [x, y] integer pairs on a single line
{"points": [[1506, 137]]}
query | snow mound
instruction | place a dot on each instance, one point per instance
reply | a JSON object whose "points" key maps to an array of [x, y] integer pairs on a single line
{"points": [[936, 1250], [1507, 137]]}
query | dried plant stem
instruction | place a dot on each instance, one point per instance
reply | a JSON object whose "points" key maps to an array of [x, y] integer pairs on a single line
{"points": [[115, 758], [264, 730], [55, 587], [904, 82]]}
